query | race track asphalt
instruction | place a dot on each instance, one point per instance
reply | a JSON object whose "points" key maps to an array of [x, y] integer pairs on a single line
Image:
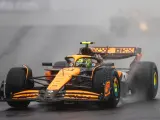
{"points": [[128, 111]]}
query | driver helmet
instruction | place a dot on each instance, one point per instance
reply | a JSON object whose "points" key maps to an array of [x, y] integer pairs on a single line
{"points": [[88, 63], [85, 61]]}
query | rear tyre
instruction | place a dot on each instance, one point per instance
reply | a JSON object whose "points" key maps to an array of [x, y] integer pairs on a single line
{"points": [[17, 81], [144, 79], [100, 79]]}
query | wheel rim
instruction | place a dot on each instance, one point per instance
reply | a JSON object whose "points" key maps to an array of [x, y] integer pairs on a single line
{"points": [[116, 87], [155, 80]]}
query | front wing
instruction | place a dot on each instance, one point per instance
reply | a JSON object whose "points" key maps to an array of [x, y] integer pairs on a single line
{"points": [[48, 96]]}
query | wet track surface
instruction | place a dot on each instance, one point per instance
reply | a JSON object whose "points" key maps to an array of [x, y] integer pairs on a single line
{"points": [[127, 111]]}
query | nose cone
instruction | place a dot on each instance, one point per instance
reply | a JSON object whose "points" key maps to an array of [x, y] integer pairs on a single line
{"points": [[62, 78]]}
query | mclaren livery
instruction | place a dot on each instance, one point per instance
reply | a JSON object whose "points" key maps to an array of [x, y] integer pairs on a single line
{"points": [[86, 76]]}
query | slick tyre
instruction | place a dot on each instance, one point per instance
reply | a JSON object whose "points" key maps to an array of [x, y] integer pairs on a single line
{"points": [[100, 79], [144, 79], [17, 81]]}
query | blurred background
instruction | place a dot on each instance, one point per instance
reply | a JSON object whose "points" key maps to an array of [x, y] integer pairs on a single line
{"points": [[36, 31]]}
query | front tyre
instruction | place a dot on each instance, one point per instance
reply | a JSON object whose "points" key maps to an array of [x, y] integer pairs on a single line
{"points": [[18, 80], [102, 78], [18, 104]]}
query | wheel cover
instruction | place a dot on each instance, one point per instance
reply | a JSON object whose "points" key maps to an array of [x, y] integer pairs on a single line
{"points": [[155, 80], [116, 87]]}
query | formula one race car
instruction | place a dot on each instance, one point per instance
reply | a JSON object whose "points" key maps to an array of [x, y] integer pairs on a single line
{"points": [[83, 77]]}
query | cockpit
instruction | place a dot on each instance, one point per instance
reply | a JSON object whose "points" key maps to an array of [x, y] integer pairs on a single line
{"points": [[82, 61]]}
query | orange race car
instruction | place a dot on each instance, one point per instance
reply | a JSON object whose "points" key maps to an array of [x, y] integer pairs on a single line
{"points": [[83, 77]]}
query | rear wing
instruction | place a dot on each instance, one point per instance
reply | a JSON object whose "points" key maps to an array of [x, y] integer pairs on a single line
{"points": [[116, 52]]}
